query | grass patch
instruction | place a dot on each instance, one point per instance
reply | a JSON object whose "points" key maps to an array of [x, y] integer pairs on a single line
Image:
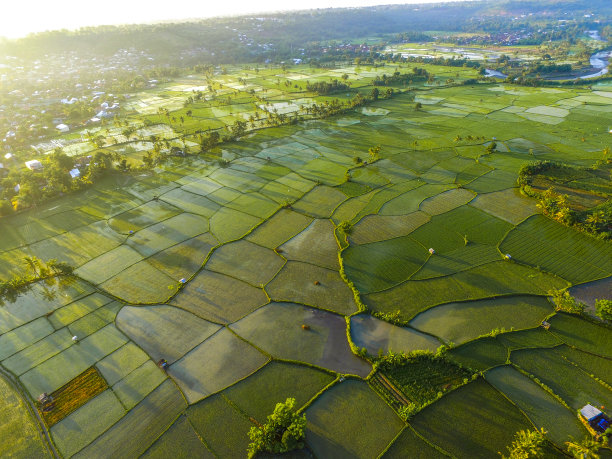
{"points": [[279, 228], [594, 365], [74, 311], [228, 359], [84, 425], [461, 322], [410, 201], [490, 280], [446, 201], [509, 205], [459, 421], [38, 352], [277, 328], [21, 337], [246, 261], [555, 248], [164, 332], [139, 428], [179, 441], [480, 354], [141, 284], [138, 384], [160, 236], [140, 217], [534, 338], [18, 430], [570, 383], [276, 381], [224, 428], [380, 265], [191, 202], [315, 245], [374, 228], [219, 298], [333, 419], [185, 259], [541, 407], [229, 224], [582, 334], [53, 373], [121, 362], [297, 282], [461, 259], [320, 202], [409, 444]]}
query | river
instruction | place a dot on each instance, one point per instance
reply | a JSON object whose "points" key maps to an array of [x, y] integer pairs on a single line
{"points": [[599, 62]]}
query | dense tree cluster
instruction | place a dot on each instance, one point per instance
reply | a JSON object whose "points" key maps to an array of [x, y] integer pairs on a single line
{"points": [[401, 78], [22, 189], [324, 87]]}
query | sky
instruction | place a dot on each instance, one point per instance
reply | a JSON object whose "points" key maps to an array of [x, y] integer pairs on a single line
{"points": [[22, 17]]}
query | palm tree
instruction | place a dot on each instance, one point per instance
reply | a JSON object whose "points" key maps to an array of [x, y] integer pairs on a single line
{"points": [[33, 263], [585, 449]]}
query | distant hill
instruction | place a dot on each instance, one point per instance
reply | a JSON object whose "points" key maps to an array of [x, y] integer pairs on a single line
{"points": [[247, 37]]}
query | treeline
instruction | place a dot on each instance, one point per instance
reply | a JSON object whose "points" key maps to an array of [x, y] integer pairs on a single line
{"points": [[324, 87], [36, 270], [597, 220], [22, 189], [551, 68], [398, 78], [286, 32]]}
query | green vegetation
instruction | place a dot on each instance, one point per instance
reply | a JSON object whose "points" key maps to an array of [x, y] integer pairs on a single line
{"points": [[275, 381], [461, 322], [180, 441], [571, 384], [481, 354], [566, 303], [333, 417], [18, 429], [574, 196], [409, 443], [421, 379], [526, 444], [74, 395], [585, 335], [309, 229], [603, 308], [471, 424], [542, 409], [282, 432], [10, 289]]}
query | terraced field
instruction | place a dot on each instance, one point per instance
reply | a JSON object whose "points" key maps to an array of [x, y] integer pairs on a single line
{"points": [[287, 268]]}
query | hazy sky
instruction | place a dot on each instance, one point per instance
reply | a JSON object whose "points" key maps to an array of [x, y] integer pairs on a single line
{"points": [[21, 17]]}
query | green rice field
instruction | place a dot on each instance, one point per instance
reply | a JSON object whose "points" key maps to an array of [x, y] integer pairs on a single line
{"points": [[288, 262]]}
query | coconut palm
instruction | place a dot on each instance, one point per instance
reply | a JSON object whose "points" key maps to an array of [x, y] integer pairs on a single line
{"points": [[33, 263], [585, 449]]}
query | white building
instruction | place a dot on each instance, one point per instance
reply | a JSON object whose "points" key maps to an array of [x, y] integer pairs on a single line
{"points": [[62, 127], [34, 165]]}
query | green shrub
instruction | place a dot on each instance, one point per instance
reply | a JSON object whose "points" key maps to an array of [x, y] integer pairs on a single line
{"points": [[603, 308], [565, 302], [283, 431], [526, 444]]}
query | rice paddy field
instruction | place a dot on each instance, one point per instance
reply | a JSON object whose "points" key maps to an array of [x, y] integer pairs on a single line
{"points": [[289, 267]]}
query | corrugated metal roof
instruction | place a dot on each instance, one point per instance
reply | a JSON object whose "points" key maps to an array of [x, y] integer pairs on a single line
{"points": [[589, 412]]}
